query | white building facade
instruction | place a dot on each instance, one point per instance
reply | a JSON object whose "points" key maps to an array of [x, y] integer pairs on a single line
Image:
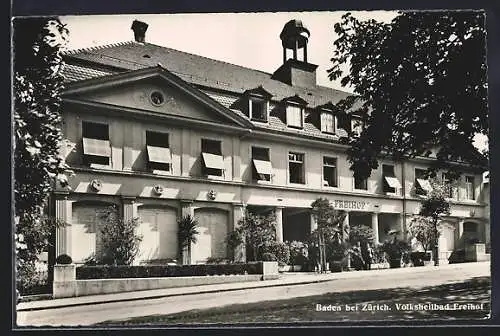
{"points": [[161, 133]]}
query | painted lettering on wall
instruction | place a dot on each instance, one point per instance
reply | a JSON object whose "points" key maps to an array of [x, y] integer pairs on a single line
{"points": [[341, 204]]}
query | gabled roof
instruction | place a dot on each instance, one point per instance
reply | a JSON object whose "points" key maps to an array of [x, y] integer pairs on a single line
{"points": [[158, 71], [192, 68]]}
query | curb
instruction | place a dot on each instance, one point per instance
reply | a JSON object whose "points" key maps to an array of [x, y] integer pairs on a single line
{"points": [[171, 295]]}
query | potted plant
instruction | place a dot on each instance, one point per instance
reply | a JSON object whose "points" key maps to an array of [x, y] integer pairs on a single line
{"points": [[337, 256], [395, 249], [298, 255], [186, 235]]}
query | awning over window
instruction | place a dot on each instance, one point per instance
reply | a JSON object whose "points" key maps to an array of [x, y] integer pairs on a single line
{"points": [[424, 184], [393, 182], [213, 161], [263, 167], [159, 154], [96, 147]]}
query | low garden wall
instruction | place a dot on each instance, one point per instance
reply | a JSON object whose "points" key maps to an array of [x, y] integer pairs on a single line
{"points": [[71, 281]]}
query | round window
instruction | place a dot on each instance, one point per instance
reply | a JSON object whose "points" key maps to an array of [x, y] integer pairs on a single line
{"points": [[157, 98]]}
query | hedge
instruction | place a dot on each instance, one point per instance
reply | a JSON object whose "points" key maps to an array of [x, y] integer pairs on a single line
{"points": [[158, 271]]}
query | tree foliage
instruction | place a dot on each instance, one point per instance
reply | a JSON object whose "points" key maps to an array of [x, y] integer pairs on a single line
{"points": [[434, 206], [419, 84], [330, 231], [258, 232], [422, 229], [119, 240], [36, 133]]}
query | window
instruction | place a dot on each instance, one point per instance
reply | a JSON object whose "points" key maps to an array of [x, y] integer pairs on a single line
{"points": [[391, 183], [327, 122], [329, 171], [360, 184], [159, 157], [451, 188], [422, 184], [469, 188], [294, 116], [262, 164], [211, 152], [96, 147], [258, 110], [296, 168]]}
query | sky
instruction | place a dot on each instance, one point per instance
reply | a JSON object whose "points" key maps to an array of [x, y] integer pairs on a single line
{"points": [[247, 39]]}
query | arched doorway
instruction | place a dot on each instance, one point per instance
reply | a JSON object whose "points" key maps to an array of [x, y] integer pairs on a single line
{"points": [[87, 221], [158, 227], [213, 228]]}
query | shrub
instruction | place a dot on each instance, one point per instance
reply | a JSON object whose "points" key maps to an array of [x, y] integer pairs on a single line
{"points": [[280, 250], [268, 256], [298, 253], [153, 271], [64, 259], [120, 242]]}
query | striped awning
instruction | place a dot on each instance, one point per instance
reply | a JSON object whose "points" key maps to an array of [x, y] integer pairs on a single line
{"points": [[263, 167], [96, 147], [393, 182], [213, 161], [159, 154], [424, 184]]}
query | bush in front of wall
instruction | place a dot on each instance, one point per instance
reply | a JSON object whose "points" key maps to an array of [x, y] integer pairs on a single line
{"points": [[157, 271], [64, 259]]}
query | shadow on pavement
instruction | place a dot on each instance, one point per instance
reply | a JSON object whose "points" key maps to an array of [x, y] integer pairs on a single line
{"points": [[304, 309]]}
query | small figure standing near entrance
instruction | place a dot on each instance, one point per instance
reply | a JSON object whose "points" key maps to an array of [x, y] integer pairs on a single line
{"points": [[367, 253]]}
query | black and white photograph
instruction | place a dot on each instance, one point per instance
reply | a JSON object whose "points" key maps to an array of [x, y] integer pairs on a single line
{"points": [[265, 168]]}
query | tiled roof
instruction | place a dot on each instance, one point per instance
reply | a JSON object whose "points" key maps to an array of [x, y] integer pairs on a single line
{"points": [[197, 69], [210, 76], [73, 73]]}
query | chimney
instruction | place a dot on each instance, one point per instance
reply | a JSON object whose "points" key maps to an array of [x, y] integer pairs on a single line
{"points": [[139, 29]]}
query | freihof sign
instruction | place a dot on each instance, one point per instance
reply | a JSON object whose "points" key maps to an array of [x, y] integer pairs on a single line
{"points": [[341, 204]]}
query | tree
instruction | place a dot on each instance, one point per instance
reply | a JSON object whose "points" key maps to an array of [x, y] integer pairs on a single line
{"points": [[119, 240], [258, 232], [434, 206], [419, 84], [37, 83], [422, 229], [187, 233], [330, 226]]}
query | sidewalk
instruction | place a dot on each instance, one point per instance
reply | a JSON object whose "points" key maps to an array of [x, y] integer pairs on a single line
{"points": [[286, 279]]}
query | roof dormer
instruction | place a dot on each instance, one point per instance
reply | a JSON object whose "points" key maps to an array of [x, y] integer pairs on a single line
{"points": [[295, 111], [257, 104]]}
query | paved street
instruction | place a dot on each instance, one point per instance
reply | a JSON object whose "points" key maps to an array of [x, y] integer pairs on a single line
{"points": [[366, 280]]}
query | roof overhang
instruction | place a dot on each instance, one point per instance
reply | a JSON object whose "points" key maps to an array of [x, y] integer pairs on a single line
{"points": [[94, 84]]}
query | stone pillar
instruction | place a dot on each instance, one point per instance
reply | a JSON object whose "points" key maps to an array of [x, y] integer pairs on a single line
{"points": [[187, 209], [460, 237], [345, 227], [238, 214], [129, 208], [186, 150], [314, 223], [345, 235], [63, 232], [236, 158], [279, 224], [376, 238], [402, 226]]}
